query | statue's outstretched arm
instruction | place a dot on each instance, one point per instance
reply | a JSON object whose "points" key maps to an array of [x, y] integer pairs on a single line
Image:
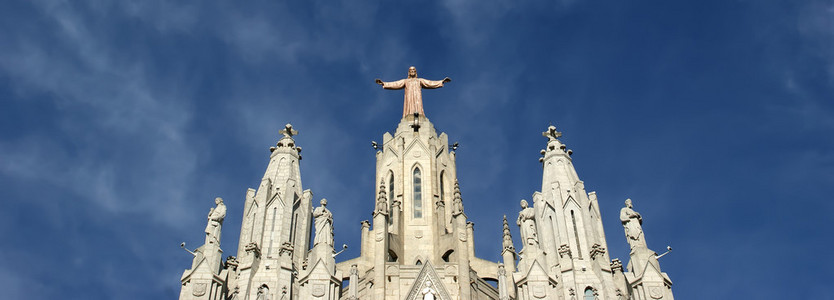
{"points": [[393, 85], [433, 84]]}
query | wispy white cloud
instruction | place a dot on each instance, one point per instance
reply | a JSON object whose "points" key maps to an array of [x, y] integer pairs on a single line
{"points": [[816, 25], [115, 111]]}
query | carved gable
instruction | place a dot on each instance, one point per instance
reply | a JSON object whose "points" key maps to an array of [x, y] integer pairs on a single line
{"points": [[428, 274]]}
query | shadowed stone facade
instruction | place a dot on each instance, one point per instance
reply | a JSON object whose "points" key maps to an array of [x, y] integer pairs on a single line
{"points": [[419, 244]]}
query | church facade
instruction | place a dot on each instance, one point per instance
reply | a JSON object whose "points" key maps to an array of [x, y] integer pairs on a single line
{"points": [[420, 244]]}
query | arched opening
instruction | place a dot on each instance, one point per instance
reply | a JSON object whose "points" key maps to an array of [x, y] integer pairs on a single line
{"points": [[263, 291], [576, 234], [392, 256], [390, 190], [449, 256], [345, 284], [589, 293], [443, 186], [417, 196], [491, 281], [419, 262]]}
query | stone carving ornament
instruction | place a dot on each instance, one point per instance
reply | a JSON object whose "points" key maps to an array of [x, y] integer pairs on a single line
{"points": [[507, 239], [199, 289]]}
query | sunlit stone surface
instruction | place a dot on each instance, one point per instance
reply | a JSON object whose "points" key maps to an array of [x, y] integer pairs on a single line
{"points": [[419, 244]]}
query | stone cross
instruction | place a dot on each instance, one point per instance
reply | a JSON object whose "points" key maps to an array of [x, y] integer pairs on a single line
{"points": [[288, 131], [551, 133]]}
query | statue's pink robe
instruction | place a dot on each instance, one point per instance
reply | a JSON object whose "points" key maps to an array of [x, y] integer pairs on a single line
{"points": [[413, 102]]}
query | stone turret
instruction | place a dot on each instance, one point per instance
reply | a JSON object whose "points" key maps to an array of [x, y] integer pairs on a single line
{"points": [[423, 222], [275, 231], [206, 280], [645, 279]]}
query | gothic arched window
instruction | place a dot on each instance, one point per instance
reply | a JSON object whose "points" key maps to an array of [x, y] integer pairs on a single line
{"points": [[576, 234], [390, 190], [589, 293], [442, 186], [417, 198]]}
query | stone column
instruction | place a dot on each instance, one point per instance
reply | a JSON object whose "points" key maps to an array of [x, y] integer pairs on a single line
{"points": [[363, 250], [470, 231], [380, 243], [503, 285], [461, 239], [440, 221], [462, 252], [353, 294]]}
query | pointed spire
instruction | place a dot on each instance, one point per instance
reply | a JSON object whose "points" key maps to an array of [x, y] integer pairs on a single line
{"points": [[287, 140], [553, 143], [457, 204], [382, 199], [508, 239]]}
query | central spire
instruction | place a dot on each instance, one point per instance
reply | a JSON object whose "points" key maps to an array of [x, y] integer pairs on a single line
{"points": [[413, 102]]}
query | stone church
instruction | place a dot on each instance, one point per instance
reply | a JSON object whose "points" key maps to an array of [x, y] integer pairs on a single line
{"points": [[419, 244]]}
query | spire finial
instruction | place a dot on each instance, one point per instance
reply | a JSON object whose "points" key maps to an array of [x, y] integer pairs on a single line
{"points": [[288, 131], [382, 200], [551, 134], [457, 204], [508, 239]]}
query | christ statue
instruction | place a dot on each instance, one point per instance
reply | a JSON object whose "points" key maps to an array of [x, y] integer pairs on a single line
{"points": [[413, 102]]}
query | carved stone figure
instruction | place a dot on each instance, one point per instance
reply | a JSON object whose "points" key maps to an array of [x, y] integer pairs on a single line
{"points": [[428, 292], [527, 223], [215, 221], [632, 223], [457, 206], [324, 224], [413, 102]]}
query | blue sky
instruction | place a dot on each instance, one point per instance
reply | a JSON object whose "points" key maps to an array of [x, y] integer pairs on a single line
{"points": [[120, 123]]}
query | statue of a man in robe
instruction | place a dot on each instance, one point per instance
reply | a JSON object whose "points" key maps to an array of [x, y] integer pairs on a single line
{"points": [[324, 224], [632, 223], [413, 102], [215, 221], [527, 223]]}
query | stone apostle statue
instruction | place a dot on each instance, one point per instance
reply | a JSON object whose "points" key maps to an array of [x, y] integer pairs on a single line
{"points": [[324, 224], [413, 102], [215, 221], [527, 223], [428, 292], [632, 223]]}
